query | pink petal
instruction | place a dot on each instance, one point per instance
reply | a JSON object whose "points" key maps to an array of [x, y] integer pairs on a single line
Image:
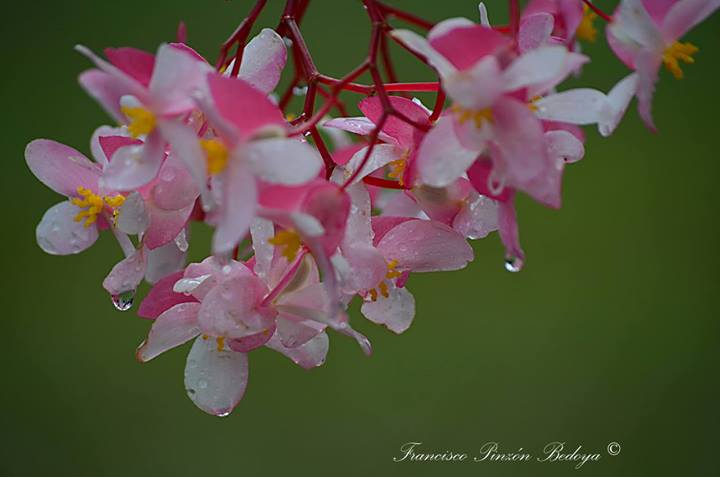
{"points": [[174, 187], [249, 343], [633, 29], [238, 207], [479, 175], [120, 82], [163, 261], [126, 275], [330, 205], [110, 144], [186, 147], [535, 30], [96, 148], [478, 87], [405, 134], [684, 15], [231, 308], [106, 90], [283, 160], [233, 98], [310, 355], [132, 217], [356, 125], [61, 168], [421, 46], [383, 224], [477, 217], [648, 66], [161, 297], [464, 46], [508, 227], [396, 312], [294, 333], [175, 79], [425, 246], [263, 61], [380, 156], [134, 166], [215, 380], [59, 234], [165, 225], [172, 328], [135, 63], [441, 158]]}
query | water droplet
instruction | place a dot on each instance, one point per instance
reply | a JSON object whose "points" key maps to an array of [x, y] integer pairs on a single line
{"points": [[227, 269], [202, 383], [181, 241], [168, 175], [300, 90], [513, 264], [223, 414], [124, 300]]}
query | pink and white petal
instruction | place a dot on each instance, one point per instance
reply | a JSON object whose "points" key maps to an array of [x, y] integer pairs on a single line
{"points": [[484, 19], [59, 234], [60, 167], [648, 66], [535, 30], [619, 99], [293, 332], [165, 225], [96, 148], [161, 297], [283, 160], [441, 158], [571, 12], [185, 146], [633, 27], [215, 380], [421, 46], [134, 166], [230, 308], [563, 146], [574, 106], [425, 246], [174, 187], [132, 218], [106, 90], [126, 275], [135, 63], [399, 203], [309, 355], [249, 343], [233, 98], [381, 155], [175, 79], [396, 312], [536, 66], [446, 26], [357, 125], [478, 87], [465, 45], [684, 15], [238, 207], [121, 82], [261, 231], [571, 65], [172, 328], [477, 217], [263, 61], [163, 261], [367, 268]]}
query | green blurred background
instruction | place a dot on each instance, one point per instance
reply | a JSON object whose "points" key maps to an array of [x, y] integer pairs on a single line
{"points": [[609, 334]]}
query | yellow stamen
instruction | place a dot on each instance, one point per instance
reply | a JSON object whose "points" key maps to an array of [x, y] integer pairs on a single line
{"points": [[678, 52], [586, 30], [220, 343], [382, 286], [93, 205], [384, 289], [290, 242], [216, 153], [397, 170], [531, 104], [392, 273], [478, 116], [290, 117], [373, 294], [142, 121]]}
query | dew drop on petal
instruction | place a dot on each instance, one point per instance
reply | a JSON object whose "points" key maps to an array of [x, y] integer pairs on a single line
{"points": [[513, 264], [124, 301]]}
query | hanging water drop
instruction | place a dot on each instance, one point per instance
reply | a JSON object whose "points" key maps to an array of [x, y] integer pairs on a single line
{"points": [[124, 301], [513, 264]]}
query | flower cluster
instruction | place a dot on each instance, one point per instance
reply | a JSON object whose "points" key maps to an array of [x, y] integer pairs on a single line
{"points": [[310, 211]]}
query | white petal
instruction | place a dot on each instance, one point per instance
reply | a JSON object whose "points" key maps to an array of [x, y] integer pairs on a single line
{"points": [[132, 217], [421, 46], [396, 312], [619, 99], [172, 328], [126, 275], [283, 160], [59, 234], [564, 146], [215, 380], [309, 355], [261, 231], [381, 155], [575, 106], [633, 27], [441, 158], [534, 67], [477, 218], [164, 260]]}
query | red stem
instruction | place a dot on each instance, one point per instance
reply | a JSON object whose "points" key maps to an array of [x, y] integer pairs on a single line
{"points": [[597, 10]]}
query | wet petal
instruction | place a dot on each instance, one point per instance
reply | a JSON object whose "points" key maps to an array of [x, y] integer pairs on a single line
{"points": [[441, 158], [126, 275], [134, 166], [176, 77], [215, 380], [132, 218], [59, 234], [575, 106], [618, 99], [310, 355], [161, 297], [163, 261], [396, 312], [174, 327], [238, 207], [283, 160], [60, 167], [534, 67], [477, 217], [263, 60], [535, 30]]}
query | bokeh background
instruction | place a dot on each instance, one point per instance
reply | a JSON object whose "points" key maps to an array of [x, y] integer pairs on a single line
{"points": [[609, 334]]}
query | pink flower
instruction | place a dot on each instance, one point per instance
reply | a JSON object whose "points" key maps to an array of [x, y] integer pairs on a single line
{"points": [[249, 149], [645, 34]]}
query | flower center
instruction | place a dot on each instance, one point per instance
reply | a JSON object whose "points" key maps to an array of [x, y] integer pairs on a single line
{"points": [[216, 153], [289, 242], [586, 30], [397, 168], [382, 288], [478, 116], [678, 52], [142, 121], [93, 205], [219, 340]]}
